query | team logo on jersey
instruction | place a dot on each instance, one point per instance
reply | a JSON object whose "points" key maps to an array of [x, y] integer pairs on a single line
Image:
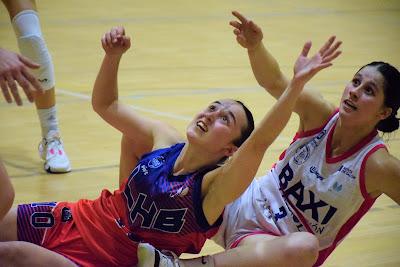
{"points": [[314, 171], [181, 192], [337, 187], [145, 213], [144, 169], [304, 199], [302, 154], [66, 214], [319, 137], [156, 162], [347, 172]]}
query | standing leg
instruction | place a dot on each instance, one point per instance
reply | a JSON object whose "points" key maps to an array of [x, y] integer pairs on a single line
{"points": [[26, 25]]}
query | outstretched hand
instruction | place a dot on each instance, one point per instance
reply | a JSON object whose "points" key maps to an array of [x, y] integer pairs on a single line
{"points": [[115, 42], [248, 34], [15, 69], [305, 68]]}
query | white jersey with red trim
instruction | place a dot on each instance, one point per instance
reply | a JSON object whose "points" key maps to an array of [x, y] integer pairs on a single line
{"points": [[306, 190]]}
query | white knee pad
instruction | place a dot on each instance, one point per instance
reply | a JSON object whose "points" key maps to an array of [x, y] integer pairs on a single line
{"points": [[31, 44]]}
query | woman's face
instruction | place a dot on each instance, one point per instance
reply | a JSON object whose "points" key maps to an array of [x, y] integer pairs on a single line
{"points": [[362, 101], [218, 125]]}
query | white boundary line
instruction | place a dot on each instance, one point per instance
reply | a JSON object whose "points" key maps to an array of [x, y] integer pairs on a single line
{"points": [[151, 111], [147, 110]]}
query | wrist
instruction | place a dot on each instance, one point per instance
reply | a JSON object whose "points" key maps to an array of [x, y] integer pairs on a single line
{"points": [[255, 48], [296, 84], [110, 56]]}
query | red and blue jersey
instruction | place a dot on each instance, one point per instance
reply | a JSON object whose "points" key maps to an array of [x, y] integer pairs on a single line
{"points": [[153, 206]]}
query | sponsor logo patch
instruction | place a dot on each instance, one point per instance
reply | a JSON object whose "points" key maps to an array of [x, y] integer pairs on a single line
{"points": [[156, 162]]}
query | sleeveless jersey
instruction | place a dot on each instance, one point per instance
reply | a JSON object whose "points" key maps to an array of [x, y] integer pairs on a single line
{"points": [[306, 190], [152, 206]]}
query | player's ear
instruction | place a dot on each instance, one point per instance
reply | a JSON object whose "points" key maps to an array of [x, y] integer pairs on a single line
{"points": [[230, 149]]}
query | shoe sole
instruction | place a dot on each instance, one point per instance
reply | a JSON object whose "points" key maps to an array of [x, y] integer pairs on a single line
{"points": [[55, 171]]}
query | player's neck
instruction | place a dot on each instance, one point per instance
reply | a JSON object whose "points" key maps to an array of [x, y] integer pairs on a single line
{"points": [[345, 137], [192, 159]]}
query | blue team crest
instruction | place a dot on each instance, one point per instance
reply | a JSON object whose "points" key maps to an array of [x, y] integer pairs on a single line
{"points": [[156, 162], [302, 154]]}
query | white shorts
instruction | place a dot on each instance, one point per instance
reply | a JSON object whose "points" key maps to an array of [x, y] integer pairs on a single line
{"points": [[252, 213]]}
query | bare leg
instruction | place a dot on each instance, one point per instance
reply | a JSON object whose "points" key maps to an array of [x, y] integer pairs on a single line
{"points": [[8, 226], [24, 17], [16, 6], [8, 218], [47, 99], [18, 253], [6, 192], [297, 249]]}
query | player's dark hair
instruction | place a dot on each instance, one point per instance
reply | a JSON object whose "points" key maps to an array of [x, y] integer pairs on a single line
{"points": [[391, 92], [247, 130]]}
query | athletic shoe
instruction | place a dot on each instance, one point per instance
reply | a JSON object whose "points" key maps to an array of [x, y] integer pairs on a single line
{"points": [[149, 256], [51, 150]]}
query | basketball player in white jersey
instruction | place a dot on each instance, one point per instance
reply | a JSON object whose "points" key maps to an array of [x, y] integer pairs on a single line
{"points": [[25, 21], [325, 181]]}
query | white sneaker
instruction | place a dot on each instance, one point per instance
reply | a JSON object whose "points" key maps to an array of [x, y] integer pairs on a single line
{"points": [[149, 256], [51, 150]]}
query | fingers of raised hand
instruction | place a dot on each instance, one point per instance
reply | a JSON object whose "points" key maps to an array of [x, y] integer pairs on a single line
{"points": [[306, 49], [237, 32], [106, 40], [332, 49], [117, 33], [126, 41], [239, 16], [114, 37], [331, 57], [235, 24], [327, 45], [119, 30]]}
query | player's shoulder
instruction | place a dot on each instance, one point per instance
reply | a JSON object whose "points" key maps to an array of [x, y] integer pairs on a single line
{"points": [[165, 135], [381, 162]]}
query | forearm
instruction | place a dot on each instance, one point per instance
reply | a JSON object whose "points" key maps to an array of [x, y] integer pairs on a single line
{"points": [[267, 71], [105, 90], [276, 119], [240, 170]]}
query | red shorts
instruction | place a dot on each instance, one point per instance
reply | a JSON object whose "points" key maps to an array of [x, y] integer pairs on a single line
{"points": [[52, 226]]}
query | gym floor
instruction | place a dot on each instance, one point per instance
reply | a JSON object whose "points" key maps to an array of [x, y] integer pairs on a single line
{"points": [[184, 56]]}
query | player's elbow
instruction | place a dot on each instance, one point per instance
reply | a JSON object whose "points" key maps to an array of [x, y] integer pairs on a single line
{"points": [[97, 106], [101, 108]]}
